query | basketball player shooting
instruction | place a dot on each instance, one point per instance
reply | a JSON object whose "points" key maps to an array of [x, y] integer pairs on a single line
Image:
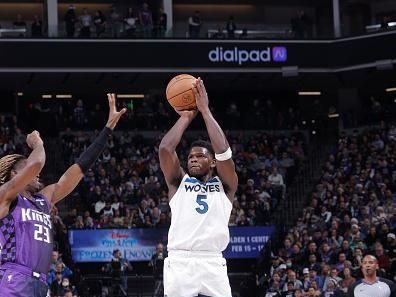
{"points": [[201, 203], [26, 238]]}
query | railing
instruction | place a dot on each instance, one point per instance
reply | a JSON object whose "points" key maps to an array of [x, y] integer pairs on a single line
{"points": [[15, 32], [379, 27], [289, 208], [268, 33]]}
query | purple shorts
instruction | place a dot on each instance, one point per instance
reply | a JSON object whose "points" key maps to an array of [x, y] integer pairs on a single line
{"points": [[20, 281]]}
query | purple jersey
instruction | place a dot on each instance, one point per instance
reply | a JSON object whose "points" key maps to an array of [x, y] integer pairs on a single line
{"points": [[26, 234]]}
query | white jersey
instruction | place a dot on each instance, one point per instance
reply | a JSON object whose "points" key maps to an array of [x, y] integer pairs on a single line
{"points": [[200, 215]]}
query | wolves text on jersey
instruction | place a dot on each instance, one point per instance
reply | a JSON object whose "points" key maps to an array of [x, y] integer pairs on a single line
{"points": [[202, 188]]}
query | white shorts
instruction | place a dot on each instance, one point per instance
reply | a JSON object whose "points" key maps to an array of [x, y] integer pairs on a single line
{"points": [[188, 274]]}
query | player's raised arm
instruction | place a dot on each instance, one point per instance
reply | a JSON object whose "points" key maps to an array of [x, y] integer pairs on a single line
{"points": [[169, 160], [70, 179], [13, 181], [224, 164]]}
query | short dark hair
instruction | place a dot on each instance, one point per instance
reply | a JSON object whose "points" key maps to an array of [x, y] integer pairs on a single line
{"points": [[205, 144]]}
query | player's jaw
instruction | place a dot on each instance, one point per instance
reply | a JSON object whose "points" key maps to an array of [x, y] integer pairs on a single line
{"points": [[34, 186], [197, 170]]}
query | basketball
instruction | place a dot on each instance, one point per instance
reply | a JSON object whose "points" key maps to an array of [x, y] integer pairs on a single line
{"points": [[179, 92]]}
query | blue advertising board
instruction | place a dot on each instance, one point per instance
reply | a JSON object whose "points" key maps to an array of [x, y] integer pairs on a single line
{"points": [[139, 244]]}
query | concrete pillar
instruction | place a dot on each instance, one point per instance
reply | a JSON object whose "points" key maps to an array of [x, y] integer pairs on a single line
{"points": [[168, 9], [52, 17], [336, 18]]}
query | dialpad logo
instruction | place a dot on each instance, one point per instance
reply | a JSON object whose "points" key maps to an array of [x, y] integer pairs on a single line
{"points": [[241, 56], [279, 54]]}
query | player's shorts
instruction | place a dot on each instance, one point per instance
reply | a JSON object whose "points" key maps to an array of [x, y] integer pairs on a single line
{"points": [[20, 281], [188, 274]]}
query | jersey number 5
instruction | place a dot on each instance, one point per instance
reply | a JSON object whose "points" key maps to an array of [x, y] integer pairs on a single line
{"points": [[203, 206]]}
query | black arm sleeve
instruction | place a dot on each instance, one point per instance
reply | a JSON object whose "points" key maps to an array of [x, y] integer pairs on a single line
{"points": [[88, 158]]}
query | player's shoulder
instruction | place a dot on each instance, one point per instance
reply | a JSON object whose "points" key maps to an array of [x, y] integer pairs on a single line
{"points": [[391, 284], [354, 285], [42, 200]]}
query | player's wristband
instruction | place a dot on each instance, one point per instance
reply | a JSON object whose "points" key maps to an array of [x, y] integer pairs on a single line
{"points": [[224, 156], [88, 158]]}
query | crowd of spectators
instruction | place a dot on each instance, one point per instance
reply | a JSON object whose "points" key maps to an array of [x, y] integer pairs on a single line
{"points": [[351, 213], [125, 188], [154, 113], [135, 22]]}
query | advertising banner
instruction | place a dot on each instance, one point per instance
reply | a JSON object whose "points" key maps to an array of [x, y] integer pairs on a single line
{"points": [[139, 244], [195, 55]]}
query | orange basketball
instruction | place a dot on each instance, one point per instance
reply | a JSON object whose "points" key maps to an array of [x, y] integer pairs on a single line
{"points": [[179, 92]]}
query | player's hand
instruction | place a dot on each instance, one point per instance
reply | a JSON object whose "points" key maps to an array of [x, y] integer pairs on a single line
{"points": [[201, 96], [114, 115], [189, 114], [34, 140]]}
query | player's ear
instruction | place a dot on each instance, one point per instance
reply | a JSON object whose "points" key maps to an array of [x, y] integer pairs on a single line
{"points": [[213, 163], [13, 173]]}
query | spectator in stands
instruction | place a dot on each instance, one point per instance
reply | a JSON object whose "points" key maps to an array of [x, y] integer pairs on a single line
{"points": [[69, 293], [219, 33], [130, 21], [115, 22], [60, 267], [293, 281], [99, 21], [55, 258], [274, 290], [382, 258], [244, 34], [299, 293], [348, 279], [162, 23], [71, 217], [56, 286], [107, 211], [67, 288], [274, 268], [70, 21], [277, 183], [194, 25], [157, 263], [301, 25], [85, 23], [20, 24], [146, 20], [327, 254], [37, 27], [331, 290], [289, 292], [231, 27], [385, 22], [79, 113], [117, 269]]}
